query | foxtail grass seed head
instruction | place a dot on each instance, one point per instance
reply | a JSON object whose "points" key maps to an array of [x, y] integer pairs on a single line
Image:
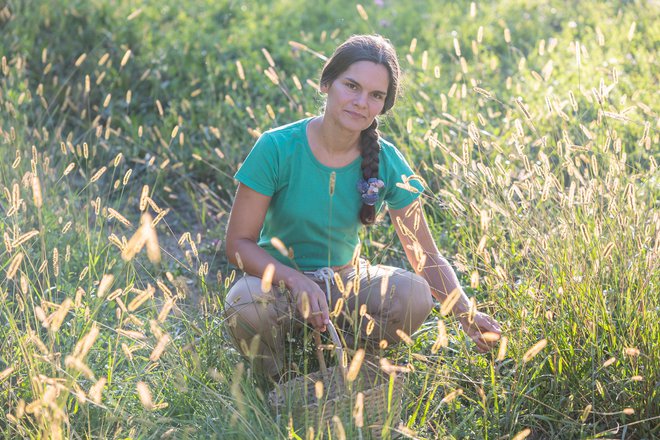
{"points": [[279, 245], [59, 315], [96, 391], [4, 374], [318, 389], [358, 410], [501, 353], [135, 244], [104, 285], [632, 351], [85, 343], [522, 434], [267, 278], [75, 363], [36, 191], [450, 301], [534, 350], [306, 309], [362, 12], [144, 393], [126, 177], [370, 326], [160, 347], [98, 174], [457, 47], [115, 214], [23, 238], [127, 351], [631, 30], [125, 58], [404, 336], [609, 362], [628, 411], [585, 413], [441, 340], [339, 305], [452, 395], [14, 265], [143, 197], [356, 364]]}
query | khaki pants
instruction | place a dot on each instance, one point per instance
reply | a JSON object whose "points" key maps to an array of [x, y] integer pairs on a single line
{"points": [[388, 299]]}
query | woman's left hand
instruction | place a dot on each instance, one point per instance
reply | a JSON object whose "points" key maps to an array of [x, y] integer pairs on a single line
{"points": [[483, 330]]}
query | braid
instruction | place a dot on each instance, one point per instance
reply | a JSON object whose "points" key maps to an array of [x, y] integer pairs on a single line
{"points": [[370, 150]]}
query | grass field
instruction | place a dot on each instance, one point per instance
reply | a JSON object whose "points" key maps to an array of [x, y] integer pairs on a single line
{"points": [[533, 123]]}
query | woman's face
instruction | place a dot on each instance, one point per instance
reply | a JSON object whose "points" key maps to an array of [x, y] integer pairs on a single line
{"points": [[357, 95]]}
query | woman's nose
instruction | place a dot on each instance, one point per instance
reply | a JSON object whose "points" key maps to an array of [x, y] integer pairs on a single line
{"points": [[361, 99]]}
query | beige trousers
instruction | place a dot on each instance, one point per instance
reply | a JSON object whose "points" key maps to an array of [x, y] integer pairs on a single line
{"points": [[387, 299]]}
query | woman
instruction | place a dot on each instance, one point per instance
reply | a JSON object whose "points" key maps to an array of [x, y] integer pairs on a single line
{"points": [[310, 185]]}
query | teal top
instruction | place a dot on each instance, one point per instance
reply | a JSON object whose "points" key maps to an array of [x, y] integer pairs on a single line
{"points": [[321, 228]]}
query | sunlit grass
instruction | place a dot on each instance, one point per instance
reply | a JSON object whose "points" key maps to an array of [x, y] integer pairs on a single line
{"points": [[535, 131]]}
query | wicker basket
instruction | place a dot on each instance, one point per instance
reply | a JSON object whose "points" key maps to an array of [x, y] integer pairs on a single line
{"points": [[381, 394]]}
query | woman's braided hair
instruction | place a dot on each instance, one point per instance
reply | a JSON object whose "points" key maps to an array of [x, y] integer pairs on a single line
{"points": [[378, 50]]}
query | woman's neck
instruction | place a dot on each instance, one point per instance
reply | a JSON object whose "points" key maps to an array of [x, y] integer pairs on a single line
{"points": [[333, 139]]}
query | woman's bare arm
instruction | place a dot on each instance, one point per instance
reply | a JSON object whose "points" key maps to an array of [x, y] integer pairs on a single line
{"points": [[245, 222], [425, 258]]}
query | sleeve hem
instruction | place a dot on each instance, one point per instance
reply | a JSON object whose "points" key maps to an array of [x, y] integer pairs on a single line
{"points": [[254, 185]]}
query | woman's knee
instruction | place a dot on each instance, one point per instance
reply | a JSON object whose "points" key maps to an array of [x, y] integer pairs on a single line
{"points": [[414, 297], [247, 310]]}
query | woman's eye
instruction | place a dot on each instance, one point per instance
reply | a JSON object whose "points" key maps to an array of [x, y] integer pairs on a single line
{"points": [[351, 86]]}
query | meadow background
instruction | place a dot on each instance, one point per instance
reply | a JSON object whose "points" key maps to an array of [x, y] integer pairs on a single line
{"points": [[533, 123]]}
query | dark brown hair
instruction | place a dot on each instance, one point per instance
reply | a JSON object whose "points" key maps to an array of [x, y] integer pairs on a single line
{"points": [[378, 50]]}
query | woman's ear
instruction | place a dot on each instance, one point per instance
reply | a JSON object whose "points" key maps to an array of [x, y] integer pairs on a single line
{"points": [[323, 88]]}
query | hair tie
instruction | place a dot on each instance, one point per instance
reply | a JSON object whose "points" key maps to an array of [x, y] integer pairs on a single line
{"points": [[369, 190]]}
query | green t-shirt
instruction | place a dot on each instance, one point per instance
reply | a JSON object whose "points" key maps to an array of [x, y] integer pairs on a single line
{"points": [[322, 229]]}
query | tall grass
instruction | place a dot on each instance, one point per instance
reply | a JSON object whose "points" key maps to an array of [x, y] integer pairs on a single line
{"points": [[535, 130]]}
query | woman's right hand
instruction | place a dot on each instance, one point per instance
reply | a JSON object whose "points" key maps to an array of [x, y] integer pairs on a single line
{"points": [[315, 309]]}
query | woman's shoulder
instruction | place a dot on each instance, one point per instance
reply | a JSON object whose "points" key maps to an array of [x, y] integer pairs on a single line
{"points": [[389, 151], [291, 131]]}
